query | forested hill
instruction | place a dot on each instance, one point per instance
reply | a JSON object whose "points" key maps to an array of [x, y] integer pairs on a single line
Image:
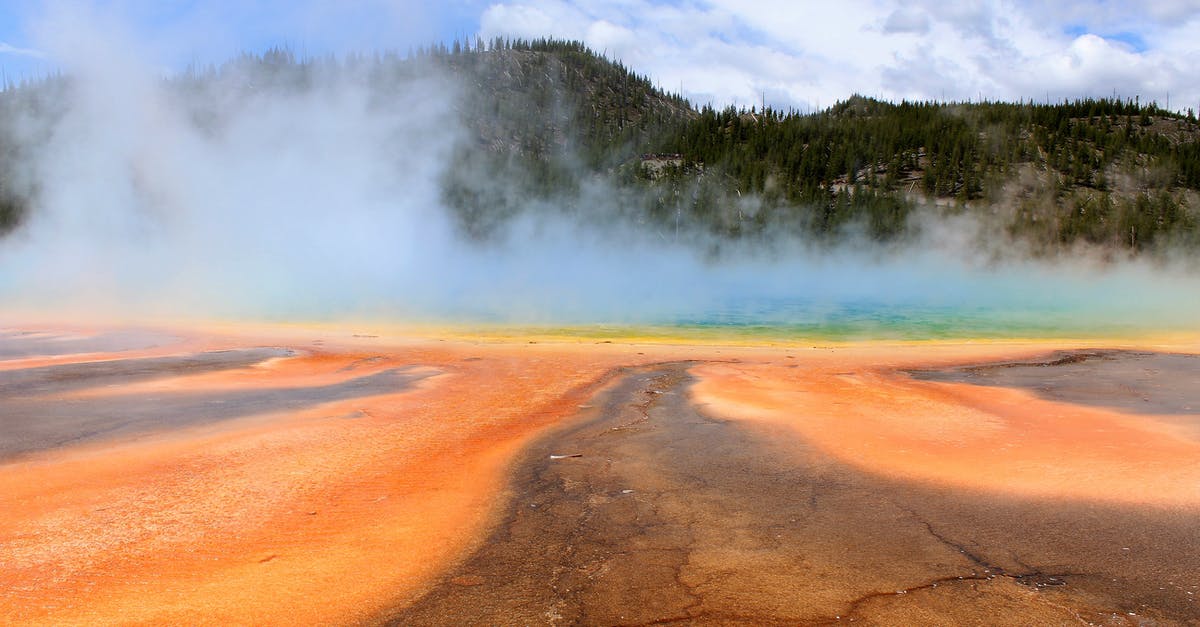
{"points": [[1109, 172], [549, 122]]}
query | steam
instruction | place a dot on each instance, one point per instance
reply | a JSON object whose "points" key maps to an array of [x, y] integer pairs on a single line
{"points": [[322, 200], [243, 200]]}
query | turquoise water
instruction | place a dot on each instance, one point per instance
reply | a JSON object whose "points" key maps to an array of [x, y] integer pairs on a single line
{"points": [[867, 320], [841, 296], [790, 320]]}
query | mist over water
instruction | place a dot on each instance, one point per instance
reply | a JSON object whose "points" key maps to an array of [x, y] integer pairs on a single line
{"points": [[322, 201]]}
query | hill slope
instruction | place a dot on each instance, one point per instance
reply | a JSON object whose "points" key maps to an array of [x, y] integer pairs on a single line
{"points": [[548, 123], [1103, 171]]}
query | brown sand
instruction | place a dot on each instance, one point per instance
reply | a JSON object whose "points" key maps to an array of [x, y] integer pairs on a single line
{"points": [[354, 506]]}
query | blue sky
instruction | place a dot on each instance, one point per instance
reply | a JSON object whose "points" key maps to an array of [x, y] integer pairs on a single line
{"points": [[792, 54]]}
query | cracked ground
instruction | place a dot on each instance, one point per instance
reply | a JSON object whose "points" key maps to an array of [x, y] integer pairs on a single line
{"points": [[649, 512]]}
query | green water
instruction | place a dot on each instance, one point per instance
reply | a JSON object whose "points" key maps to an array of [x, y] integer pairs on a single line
{"points": [[792, 321]]}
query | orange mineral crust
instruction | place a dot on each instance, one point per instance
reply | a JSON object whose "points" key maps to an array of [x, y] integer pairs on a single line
{"points": [[861, 406], [292, 476], [316, 512]]}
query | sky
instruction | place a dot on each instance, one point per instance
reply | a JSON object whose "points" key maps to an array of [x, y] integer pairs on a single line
{"points": [[789, 54]]}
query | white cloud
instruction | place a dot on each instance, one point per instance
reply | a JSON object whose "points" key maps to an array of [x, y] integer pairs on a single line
{"points": [[6, 48], [528, 21], [604, 34], [802, 54], [906, 20], [1116, 15], [797, 54]]}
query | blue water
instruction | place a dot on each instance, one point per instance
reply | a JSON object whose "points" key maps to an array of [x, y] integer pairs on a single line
{"points": [[876, 320]]}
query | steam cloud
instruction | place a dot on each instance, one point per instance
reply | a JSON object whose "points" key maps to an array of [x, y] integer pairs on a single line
{"points": [[323, 201]]}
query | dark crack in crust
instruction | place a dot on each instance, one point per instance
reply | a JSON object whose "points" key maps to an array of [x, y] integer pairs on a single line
{"points": [[663, 515]]}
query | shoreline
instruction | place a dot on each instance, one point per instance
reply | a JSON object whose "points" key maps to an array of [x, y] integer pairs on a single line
{"points": [[351, 331]]}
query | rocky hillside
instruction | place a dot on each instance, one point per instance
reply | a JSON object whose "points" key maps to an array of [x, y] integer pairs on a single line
{"points": [[548, 116]]}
